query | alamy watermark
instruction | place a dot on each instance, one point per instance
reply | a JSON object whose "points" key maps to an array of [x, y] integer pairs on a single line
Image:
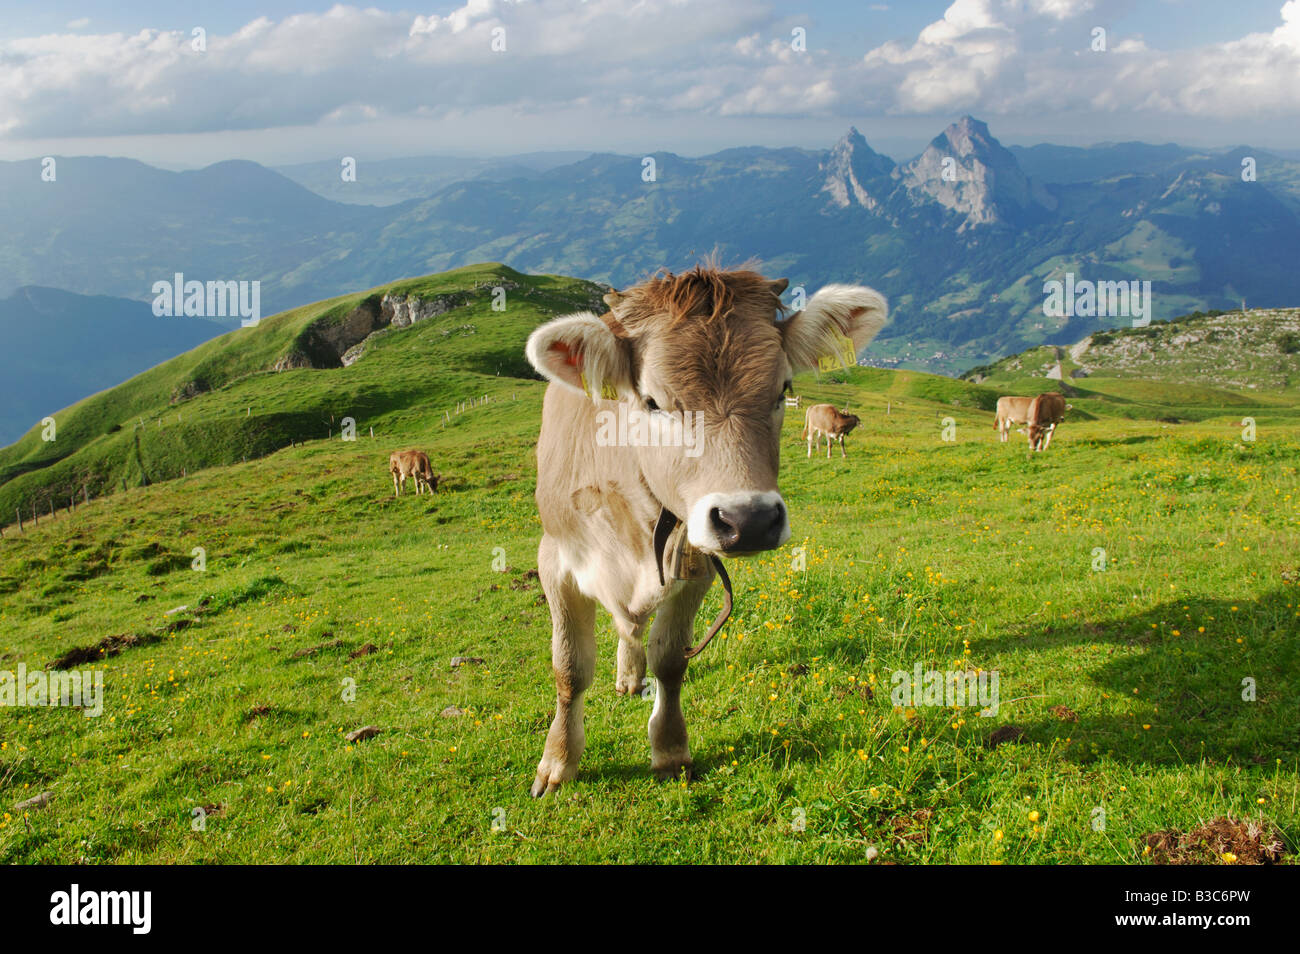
{"points": [[1089, 299], [41, 688], [951, 688], [633, 427], [217, 299]]}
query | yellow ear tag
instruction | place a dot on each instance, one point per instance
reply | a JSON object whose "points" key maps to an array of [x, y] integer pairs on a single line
{"points": [[844, 355]]}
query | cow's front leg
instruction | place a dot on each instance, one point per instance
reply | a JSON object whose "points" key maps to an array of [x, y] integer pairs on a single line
{"points": [[842, 454], [630, 678], [394, 485], [573, 658], [670, 637]]}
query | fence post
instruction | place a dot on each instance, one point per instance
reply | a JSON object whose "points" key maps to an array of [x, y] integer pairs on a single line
{"points": [[18, 511]]}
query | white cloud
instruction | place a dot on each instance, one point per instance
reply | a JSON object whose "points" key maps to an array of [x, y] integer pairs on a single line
{"points": [[626, 57]]}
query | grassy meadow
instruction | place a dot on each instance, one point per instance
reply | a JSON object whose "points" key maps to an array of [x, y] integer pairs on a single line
{"points": [[326, 605]]}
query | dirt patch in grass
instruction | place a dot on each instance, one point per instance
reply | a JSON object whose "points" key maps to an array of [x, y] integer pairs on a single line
{"points": [[1064, 713], [313, 650], [108, 646], [1221, 840], [913, 828]]}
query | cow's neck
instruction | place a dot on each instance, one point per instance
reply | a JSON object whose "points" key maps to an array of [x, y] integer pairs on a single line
{"points": [[685, 562]]}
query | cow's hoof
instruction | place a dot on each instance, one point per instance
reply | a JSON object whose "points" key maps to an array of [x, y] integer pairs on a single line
{"points": [[629, 685], [543, 786], [550, 776], [674, 771]]}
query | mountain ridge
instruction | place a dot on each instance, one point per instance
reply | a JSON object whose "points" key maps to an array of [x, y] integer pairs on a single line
{"points": [[960, 238]]}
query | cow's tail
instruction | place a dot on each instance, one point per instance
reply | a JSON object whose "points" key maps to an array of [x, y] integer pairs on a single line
{"points": [[807, 423]]}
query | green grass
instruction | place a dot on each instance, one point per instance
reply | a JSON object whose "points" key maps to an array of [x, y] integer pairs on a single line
{"points": [[954, 554]]}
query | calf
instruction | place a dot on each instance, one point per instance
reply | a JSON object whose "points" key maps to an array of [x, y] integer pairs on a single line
{"points": [[638, 522]]}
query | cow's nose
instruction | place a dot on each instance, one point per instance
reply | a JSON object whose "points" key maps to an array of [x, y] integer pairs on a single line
{"points": [[748, 527]]}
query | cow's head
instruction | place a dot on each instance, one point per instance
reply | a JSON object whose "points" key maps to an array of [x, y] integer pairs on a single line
{"points": [[848, 422], [704, 356]]}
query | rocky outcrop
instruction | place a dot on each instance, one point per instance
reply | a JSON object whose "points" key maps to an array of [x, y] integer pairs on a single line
{"points": [[401, 311], [189, 389], [340, 342], [294, 359]]}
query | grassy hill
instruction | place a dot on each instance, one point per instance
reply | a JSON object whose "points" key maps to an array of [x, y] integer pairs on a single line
{"points": [[222, 402], [1190, 368], [327, 605]]}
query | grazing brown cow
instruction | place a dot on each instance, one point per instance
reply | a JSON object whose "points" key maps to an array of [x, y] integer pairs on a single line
{"points": [[637, 522], [823, 420], [1011, 410], [1046, 411], [412, 463]]}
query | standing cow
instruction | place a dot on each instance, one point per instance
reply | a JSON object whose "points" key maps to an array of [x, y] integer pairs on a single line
{"points": [[1045, 412], [823, 420], [639, 525], [1011, 410], [412, 463]]}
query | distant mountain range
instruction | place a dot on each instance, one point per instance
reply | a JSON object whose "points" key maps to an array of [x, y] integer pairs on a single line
{"points": [[961, 238], [389, 181], [59, 347]]}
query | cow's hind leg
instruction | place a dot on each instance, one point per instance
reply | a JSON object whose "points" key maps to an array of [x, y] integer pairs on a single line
{"points": [[573, 658], [670, 637], [630, 679]]}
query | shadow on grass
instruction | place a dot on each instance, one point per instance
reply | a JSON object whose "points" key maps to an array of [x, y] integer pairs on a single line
{"points": [[1117, 441], [1191, 686]]}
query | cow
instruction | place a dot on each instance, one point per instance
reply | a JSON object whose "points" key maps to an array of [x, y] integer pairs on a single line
{"points": [[1045, 412], [640, 525], [1011, 410], [824, 420], [412, 463]]}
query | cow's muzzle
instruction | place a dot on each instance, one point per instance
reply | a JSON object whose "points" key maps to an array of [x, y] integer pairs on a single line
{"points": [[738, 524]]}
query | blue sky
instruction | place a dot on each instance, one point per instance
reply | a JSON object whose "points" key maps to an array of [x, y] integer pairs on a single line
{"points": [[291, 81]]}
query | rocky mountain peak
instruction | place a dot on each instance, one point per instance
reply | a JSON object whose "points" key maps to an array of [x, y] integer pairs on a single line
{"points": [[855, 173], [972, 175]]}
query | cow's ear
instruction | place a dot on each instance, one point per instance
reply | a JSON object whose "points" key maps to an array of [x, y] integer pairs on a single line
{"points": [[835, 317], [581, 352]]}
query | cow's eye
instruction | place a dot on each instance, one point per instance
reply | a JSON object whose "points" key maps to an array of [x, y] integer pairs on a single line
{"points": [[650, 404]]}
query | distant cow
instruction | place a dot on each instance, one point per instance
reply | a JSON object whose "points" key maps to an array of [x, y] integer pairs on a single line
{"points": [[412, 463], [1011, 410], [1045, 412], [824, 420]]}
